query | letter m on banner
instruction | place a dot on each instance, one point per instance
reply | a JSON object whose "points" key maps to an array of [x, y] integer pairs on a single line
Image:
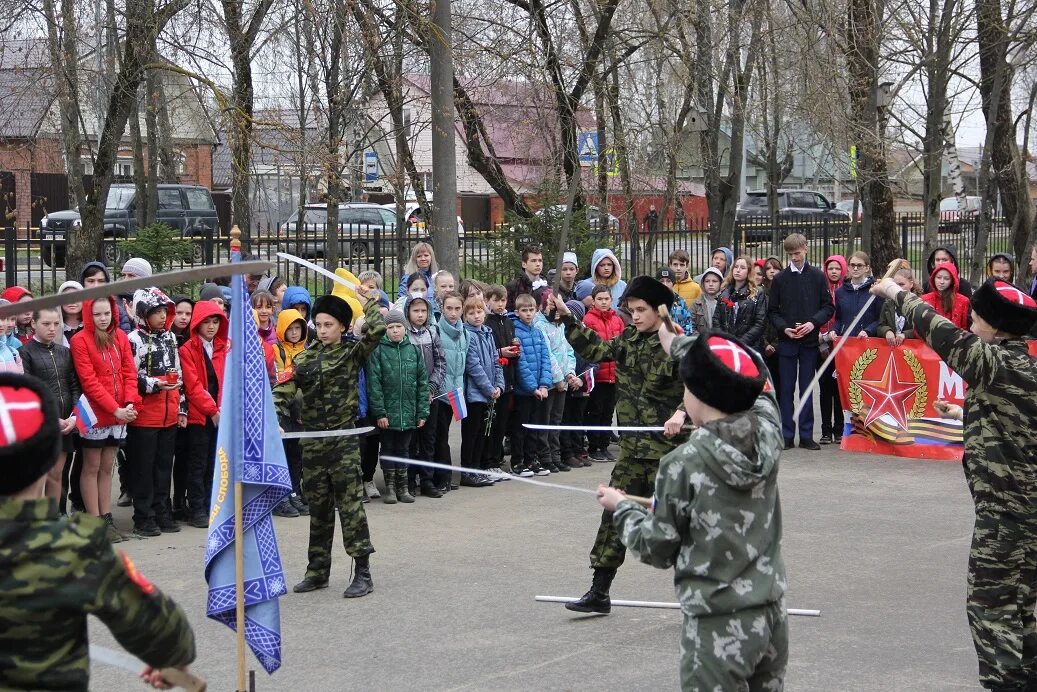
{"points": [[951, 384]]}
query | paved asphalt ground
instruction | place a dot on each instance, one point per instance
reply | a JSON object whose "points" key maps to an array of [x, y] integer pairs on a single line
{"points": [[878, 544]]}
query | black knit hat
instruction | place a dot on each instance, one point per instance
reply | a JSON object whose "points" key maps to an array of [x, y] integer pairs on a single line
{"points": [[1005, 307], [31, 437], [334, 306], [649, 290], [722, 372]]}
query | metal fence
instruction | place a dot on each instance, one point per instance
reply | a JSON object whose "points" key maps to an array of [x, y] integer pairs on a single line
{"points": [[30, 260]]}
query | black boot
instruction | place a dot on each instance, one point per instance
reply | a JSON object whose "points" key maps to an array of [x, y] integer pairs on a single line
{"points": [[362, 583], [310, 584], [597, 599]]}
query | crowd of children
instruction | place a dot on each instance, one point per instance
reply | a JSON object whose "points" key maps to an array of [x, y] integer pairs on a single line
{"points": [[494, 357]]}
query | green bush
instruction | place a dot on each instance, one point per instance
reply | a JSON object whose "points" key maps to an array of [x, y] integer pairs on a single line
{"points": [[163, 247]]}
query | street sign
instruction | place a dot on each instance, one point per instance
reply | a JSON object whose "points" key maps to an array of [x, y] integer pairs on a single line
{"points": [[587, 146], [370, 166]]}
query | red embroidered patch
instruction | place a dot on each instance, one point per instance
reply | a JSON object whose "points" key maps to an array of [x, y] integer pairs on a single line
{"points": [[285, 375], [136, 577]]}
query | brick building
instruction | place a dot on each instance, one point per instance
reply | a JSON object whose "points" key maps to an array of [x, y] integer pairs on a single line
{"points": [[33, 181]]}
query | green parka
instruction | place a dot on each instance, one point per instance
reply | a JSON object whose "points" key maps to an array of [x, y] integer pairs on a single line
{"points": [[397, 384]]}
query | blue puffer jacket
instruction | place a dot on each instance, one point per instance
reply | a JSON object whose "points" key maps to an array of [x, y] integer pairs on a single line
{"points": [[534, 363], [293, 295], [848, 302], [563, 358], [483, 372], [455, 350]]}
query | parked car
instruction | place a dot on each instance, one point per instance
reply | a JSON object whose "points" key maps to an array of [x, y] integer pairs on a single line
{"points": [[955, 220], [847, 206], [803, 211], [413, 214], [359, 225], [187, 208]]}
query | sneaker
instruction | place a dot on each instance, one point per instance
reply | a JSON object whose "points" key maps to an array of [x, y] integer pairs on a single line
{"points": [[443, 489], [837, 439], [284, 509], [562, 466], [146, 530], [301, 507], [372, 490], [826, 439], [501, 474], [124, 500], [597, 455], [539, 470], [168, 525], [113, 535], [609, 456], [199, 521], [470, 480], [523, 471]]}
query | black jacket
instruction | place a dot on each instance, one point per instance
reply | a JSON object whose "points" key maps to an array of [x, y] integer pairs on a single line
{"points": [[503, 336], [747, 319], [53, 365], [800, 297]]}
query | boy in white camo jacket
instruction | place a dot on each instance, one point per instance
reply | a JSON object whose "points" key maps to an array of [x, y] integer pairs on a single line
{"points": [[716, 519]]}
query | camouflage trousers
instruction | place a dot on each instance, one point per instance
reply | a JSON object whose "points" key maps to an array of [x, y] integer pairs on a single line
{"points": [[1001, 598], [746, 650], [330, 479], [636, 477]]}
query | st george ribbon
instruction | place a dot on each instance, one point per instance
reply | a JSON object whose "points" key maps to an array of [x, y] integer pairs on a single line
{"points": [[248, 451]]}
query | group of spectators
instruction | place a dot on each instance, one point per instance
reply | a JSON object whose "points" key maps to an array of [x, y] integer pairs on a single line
{"points": [[146, 370]]}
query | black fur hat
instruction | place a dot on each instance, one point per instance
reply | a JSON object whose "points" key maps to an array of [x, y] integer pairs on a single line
{"points": [[334, 306], [31, 435], [649, 290], [722, 372], [1005, 307]]}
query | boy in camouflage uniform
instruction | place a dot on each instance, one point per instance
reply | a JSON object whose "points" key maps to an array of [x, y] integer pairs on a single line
{"points": [[55, 571], [716, 519], [326, 376], [649, 393], [1000, 467]]}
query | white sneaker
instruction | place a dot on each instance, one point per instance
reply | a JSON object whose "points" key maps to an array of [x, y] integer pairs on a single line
{"points": [[502, 474], [372, 490]]}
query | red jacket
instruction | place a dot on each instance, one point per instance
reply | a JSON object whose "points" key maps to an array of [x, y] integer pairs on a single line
{"points": [[608, 325], [961, 308], [200, 404], [108, 377], [155, 354]]}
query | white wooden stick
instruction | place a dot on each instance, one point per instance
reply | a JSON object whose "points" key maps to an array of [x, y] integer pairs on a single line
{"points": [[660, 604]]}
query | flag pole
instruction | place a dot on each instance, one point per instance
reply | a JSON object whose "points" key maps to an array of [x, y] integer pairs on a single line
{"points": [[239, 584], [239, 534]]}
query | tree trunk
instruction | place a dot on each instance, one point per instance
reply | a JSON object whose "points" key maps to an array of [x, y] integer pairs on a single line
{"points": [[444, 163], [63, 49], [151, 127], [140, 178], [144, 23], [995, 33]]}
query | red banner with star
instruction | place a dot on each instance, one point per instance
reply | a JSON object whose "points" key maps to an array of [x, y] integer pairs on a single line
{"points": [[887, 397]]}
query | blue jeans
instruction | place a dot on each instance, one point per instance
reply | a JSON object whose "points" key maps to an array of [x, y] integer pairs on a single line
{"points": [[793, 356]]}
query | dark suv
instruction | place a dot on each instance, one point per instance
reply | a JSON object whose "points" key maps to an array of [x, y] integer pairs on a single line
{"points": [[186, 208], [360, 226], [803, 211]]}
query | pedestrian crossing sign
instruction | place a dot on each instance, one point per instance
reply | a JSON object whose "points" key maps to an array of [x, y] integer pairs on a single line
{"points": [[587, 146]]}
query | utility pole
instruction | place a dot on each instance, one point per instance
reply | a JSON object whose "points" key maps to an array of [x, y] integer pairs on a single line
{"points": [[444, 163]]}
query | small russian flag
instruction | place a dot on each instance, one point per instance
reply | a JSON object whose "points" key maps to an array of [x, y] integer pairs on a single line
{"points": [[457, 403], [85, 416], [590, 380]]}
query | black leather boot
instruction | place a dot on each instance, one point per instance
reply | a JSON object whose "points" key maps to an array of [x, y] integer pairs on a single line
{"points": [[597, 599], [310, 584], [362, 583]]}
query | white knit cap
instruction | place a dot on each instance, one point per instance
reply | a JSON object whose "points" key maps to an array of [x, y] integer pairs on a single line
{"points": [[70, 284], [137, 266], [570, 257]]}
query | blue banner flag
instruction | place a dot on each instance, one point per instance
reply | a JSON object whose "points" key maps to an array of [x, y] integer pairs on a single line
{"points": [[248, 449]]}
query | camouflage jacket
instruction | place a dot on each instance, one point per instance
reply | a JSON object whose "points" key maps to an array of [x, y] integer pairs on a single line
{"points": [[1000, 409], [327, 377], [648, 385], [53, 573], [717, 518]]}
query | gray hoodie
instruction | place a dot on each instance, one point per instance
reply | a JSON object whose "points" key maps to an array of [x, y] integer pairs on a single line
{"points": [[426, 339]]}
